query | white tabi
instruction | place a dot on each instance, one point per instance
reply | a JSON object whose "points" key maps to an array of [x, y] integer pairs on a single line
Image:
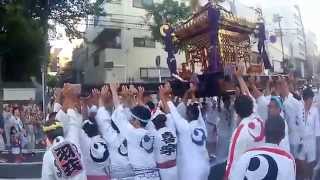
{"points": [[166, 151], [96, 157], [266, 162], [140, 146], [311, 132], [192, 157], [65, 150], [117, 144], [248, 134], [292, 109]]}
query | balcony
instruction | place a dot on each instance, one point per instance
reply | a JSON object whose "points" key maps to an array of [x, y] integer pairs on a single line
{"points": [[152, 73]]}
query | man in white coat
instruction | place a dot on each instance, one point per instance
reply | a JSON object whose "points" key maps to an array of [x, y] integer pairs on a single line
{"points": [[63, 159], [121, 168], [193, 159], [132, 124], [292, 109], [268, 161], [311, 135], [165, 146], [249, 131]]}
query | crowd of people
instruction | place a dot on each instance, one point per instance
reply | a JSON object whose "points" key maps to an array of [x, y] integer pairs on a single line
{"points": [[121, 132], [21, 130]]}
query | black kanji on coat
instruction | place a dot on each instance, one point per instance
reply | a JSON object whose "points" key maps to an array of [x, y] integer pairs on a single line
{"points": [[170, 140], [67, 159]]}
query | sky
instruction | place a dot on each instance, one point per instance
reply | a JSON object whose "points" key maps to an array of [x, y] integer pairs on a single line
{"points": [[310, 10]]}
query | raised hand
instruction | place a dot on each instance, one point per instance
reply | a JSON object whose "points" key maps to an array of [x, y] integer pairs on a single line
{"points": [[164, 93], [238, 71], [114, 87], [140, 95], [94, 98], [133, 90], [106, 96]]}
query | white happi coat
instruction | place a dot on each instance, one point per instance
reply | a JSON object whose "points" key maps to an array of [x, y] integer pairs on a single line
{"points": [[50, 170], [117, 144], [293, 115], [265, 162], [141, 144], [262, 106], [166, 151], [192, 157], [248, 134], [95, 156], [311, 122]]}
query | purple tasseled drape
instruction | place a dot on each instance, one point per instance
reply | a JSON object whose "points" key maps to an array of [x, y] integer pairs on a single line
{"points": [[214, 56], [261, 46], [171, 50]]}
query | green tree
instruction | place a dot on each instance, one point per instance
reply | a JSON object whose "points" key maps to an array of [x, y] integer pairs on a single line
{"points": [[52, 81], [24, 27], [20, 43], [168, 11]]}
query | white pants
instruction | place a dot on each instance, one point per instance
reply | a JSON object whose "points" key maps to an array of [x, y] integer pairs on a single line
{"points": [[169, 174], [309, 150]]}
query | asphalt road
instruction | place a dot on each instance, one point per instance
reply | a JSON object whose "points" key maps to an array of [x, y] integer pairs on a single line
{"points": [[29, 168]]}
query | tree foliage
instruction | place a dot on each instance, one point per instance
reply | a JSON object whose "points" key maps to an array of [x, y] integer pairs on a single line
{"points": [[52, 81], [169, 11], [20, 43], [24, 27]]}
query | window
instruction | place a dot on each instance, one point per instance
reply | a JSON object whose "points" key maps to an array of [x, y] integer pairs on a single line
{"points": [[144, 42], [109, 38], [95, 20], [114, 1], [96, 59], [142, 3]]}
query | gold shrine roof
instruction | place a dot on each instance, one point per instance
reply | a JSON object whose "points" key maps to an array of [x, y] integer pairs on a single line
{"points": [[198, 24]]}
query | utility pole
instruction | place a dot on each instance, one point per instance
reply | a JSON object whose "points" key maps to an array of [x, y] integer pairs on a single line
{"points": [[277, 19]]}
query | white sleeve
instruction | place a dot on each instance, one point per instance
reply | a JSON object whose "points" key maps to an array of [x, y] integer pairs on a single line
{"points": [[103, 120], [182, 109], [120, 118], [239, 168], [170, 122], [47, 169], [57, 107], [62, 117], [74, 127], [85, 140], [262, 107], [317, 123], [180, 122], [292, 171], [299, 119]]}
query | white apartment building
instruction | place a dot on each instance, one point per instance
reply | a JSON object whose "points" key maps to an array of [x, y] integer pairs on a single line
{"points": [[120, 46], [292, 31]]}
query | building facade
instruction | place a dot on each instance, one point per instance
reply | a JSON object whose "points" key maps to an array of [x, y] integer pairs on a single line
{"points": [[120, 47], [284, 21]]}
